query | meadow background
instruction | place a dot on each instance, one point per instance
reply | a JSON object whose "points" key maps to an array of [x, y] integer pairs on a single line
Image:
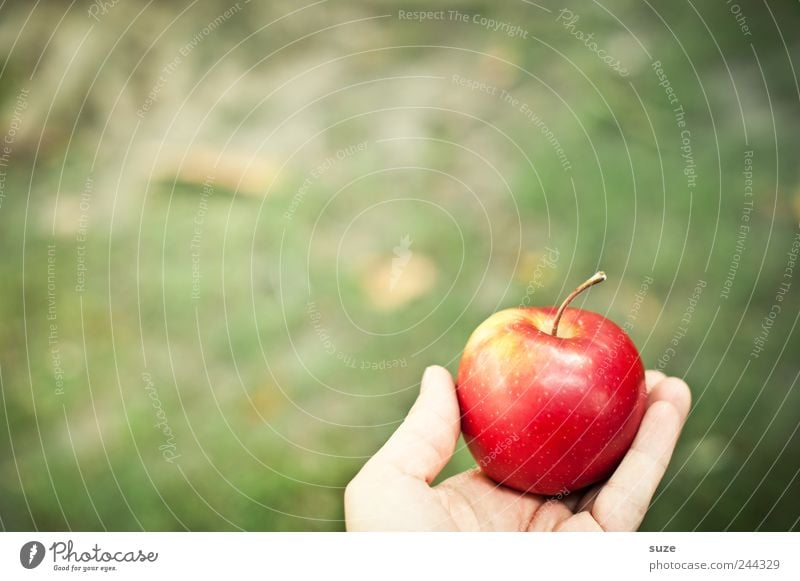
{"points": [[234, 234]]}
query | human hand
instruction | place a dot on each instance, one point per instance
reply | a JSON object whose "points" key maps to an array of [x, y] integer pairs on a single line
{"points": [[393, 492]]}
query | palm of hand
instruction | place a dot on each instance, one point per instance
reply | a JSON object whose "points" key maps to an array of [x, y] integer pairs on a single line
{"points": [[498, 508]]}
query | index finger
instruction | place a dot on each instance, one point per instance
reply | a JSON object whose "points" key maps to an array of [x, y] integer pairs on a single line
{"points": [[624, 499]]}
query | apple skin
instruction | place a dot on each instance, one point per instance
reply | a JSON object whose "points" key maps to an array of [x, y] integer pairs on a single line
{"points": [[549, 414]]}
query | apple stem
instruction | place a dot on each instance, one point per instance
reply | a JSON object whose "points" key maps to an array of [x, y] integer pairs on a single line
{"points": [[596, 277]]}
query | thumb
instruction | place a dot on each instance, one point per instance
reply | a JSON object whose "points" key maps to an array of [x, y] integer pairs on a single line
{"points": [[426, 439]]}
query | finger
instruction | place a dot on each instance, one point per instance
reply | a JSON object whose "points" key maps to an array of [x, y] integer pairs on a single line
{"points": [[587, 500], [549, 516], [624, 499], [426, 439], [580, 523], [653, 377], [674, 391], [658, 389]]}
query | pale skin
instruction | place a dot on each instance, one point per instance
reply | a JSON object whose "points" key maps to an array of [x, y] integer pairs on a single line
{"points": [[393, 490]]}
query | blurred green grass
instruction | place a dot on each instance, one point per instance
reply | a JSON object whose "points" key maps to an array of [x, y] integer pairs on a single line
{"points": [[269, 425]]}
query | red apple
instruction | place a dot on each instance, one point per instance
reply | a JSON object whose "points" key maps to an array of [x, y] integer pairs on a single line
{"points": [[550, 399]]}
